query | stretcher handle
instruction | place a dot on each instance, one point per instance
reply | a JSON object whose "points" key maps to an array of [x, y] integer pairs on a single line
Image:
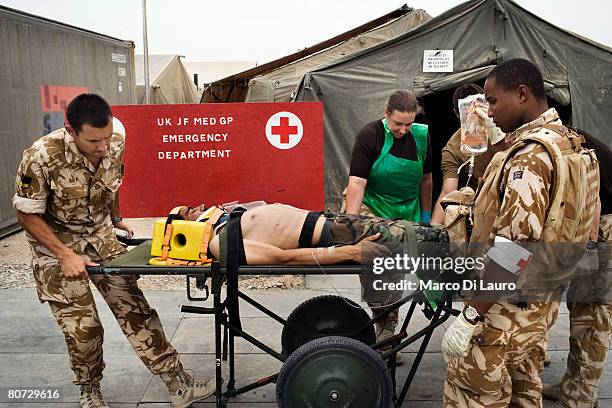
{"points": [[94, 270], [198, 309], [131, 241]]}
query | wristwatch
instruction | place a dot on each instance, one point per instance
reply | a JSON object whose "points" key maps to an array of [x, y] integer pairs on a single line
{"points": [[117, 219], [472, 315]]}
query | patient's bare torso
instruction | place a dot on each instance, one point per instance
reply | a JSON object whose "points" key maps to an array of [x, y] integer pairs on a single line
{"points": [[279, 225]]}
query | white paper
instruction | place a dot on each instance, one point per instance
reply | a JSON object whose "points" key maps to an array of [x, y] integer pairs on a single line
{"points": [[438, 61], [118, 58]]}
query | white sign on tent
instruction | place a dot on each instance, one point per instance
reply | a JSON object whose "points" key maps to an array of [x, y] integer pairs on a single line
{"points": [[438, 61]]}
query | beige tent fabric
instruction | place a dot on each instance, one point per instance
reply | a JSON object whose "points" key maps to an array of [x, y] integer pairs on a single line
{"points": [[169, 80], [211, 71], [278, 85]]}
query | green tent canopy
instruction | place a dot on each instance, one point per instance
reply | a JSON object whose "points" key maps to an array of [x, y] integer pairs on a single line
{"points": [[481, 34]]}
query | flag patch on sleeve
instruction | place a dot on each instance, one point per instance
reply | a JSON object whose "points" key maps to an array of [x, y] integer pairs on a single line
{"points": [[517, 175]]}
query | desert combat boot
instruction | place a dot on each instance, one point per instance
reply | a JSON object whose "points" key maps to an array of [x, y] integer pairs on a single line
{"points": [[386, 329], [91, 396], [184, 390], [552, 392]]}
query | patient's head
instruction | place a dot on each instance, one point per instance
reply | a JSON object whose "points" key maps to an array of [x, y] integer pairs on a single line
{"points": [[191, 213]]}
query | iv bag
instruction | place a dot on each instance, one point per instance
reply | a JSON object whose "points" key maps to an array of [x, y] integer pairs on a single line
{"points": [[473, 134], [494, 134]]}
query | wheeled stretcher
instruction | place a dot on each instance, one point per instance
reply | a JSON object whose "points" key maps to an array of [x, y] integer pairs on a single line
{"points": [[328, 344]]}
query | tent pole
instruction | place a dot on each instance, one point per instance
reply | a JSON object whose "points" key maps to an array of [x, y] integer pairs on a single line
{"points": [[146, 53]]}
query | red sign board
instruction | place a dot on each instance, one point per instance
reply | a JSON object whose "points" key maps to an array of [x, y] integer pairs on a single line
{"points": [[55, 98], [216, 153]]}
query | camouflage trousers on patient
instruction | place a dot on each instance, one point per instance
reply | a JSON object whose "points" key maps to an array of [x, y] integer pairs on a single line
{"points": [[349, 229], [503, 362], [390, 321], [80, 323]]}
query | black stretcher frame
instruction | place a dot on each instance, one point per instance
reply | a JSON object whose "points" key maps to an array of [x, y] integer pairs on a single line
{"points": [[224, 342]]}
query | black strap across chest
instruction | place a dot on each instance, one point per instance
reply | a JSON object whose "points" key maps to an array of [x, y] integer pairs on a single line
{"points": [[308, 229]]}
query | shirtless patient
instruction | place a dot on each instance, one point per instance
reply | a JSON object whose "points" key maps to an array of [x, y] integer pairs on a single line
{"points": [[271, 235]]}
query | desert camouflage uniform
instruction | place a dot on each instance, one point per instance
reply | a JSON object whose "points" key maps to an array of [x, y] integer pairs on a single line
{"points": [[503, 361], [590, 324], [74, 198]]}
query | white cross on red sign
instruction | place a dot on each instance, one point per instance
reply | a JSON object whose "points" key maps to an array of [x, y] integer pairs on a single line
{"points": [[284, 130]]}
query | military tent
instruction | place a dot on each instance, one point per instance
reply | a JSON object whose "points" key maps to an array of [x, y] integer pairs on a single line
{"points": [[234, 87], [210, 71], [168, 79], [481, 34], [279, 85]]}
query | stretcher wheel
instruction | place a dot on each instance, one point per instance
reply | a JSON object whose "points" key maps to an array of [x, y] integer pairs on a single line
{"points": [[334, 372], [327, 315]]}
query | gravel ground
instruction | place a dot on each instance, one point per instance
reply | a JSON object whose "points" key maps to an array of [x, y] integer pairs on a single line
{"points": [[15, 269], [15, 276]]}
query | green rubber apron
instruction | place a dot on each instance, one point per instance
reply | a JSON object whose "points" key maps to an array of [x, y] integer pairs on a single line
{"points": [[393, 188]]}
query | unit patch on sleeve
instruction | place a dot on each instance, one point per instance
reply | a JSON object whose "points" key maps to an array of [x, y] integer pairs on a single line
{"points": [[25, 182]]}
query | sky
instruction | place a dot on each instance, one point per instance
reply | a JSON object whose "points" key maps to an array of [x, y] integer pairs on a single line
{"points": [[263, 30]]}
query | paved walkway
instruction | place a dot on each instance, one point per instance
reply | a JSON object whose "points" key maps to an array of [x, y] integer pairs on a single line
{"points": [[33, 354]]}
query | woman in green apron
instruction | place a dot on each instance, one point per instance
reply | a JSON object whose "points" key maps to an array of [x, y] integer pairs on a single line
{"points": [[390, 174]]}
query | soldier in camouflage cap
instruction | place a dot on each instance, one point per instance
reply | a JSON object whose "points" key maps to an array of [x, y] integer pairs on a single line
{"points": [[492, 347], [67, 202]]}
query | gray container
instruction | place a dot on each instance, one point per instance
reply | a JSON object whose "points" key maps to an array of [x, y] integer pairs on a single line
{"points": [[43, 64]]}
